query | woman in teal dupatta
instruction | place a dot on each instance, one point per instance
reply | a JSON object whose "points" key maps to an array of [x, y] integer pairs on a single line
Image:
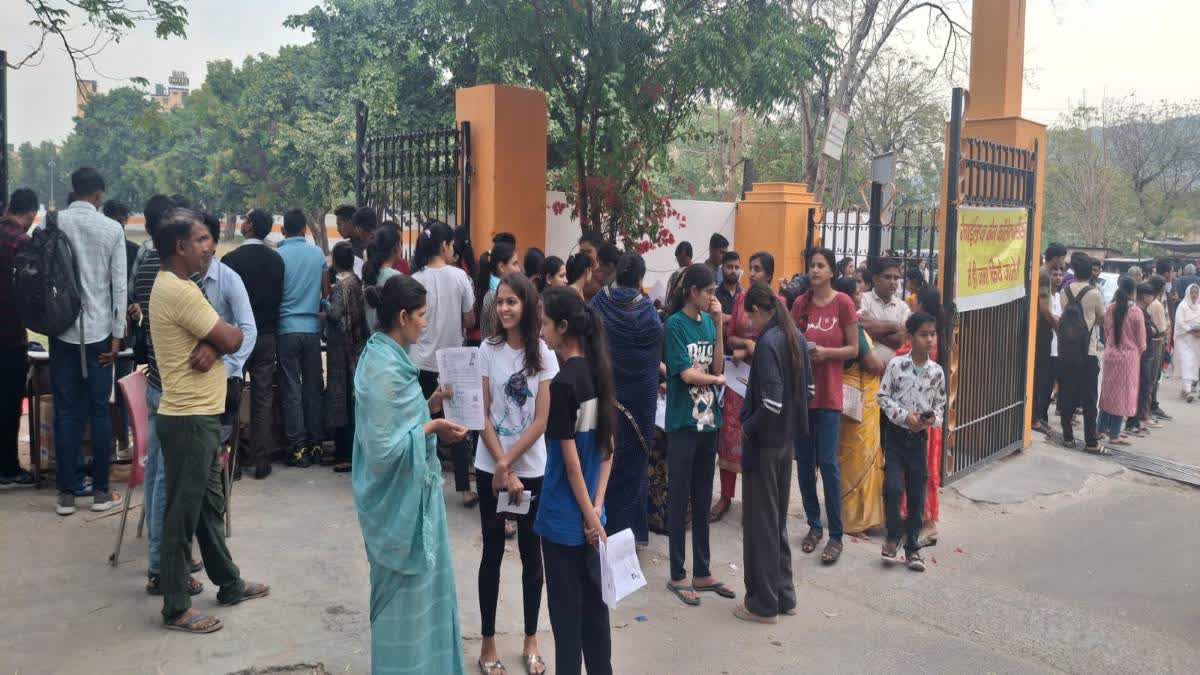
{"points": [[397, 491]]}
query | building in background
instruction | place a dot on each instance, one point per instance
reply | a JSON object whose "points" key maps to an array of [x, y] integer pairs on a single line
{"points": [[84, 91], [171, 96]]}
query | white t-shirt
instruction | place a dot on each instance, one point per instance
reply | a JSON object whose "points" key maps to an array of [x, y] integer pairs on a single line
{"points": [[514, 404], [449, 295], [1055, 311]]}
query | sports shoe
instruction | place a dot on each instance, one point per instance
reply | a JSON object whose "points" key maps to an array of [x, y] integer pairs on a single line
{"points": [[1161, 414], [915, 562], [21, 478], [66, 504], [298, 458], [104, 501]]}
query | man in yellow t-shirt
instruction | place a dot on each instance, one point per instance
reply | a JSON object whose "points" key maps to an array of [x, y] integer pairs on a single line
{"points": [[189, 339]]}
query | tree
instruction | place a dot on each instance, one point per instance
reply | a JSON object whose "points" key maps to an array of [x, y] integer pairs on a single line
{"points": [[862, 30], [623, 76], [110, 20], [118, 128], [1157, 147], [39, 166], [1087, 199]]}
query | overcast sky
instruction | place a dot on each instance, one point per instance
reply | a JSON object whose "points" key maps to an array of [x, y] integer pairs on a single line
{"points": [[1073, 48]]}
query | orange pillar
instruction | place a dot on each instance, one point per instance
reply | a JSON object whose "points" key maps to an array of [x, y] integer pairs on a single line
{"points": [[994, 113], [774, 218], [508, 158]]}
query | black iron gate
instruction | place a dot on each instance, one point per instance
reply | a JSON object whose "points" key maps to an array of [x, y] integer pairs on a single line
{"points": [[413, 177], [986, 419], [910, 236]]}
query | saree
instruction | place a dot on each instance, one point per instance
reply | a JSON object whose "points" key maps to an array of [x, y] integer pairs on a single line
{"points": [[860, 455], [398, 495], [635, 336]]}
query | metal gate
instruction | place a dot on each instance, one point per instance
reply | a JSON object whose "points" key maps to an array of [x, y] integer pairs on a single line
{"points": [[410, 178], [989, 346], [910, 236]]}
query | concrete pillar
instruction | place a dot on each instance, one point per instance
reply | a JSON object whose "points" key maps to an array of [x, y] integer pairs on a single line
{"points": [[774, 218], [508, 156]]}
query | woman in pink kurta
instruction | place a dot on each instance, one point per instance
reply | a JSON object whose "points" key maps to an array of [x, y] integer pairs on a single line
{"points": [[1125, 337]]}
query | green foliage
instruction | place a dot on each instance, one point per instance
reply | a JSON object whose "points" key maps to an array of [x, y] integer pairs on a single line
{"points": [[36, 166], [118, 128], [622, 77]]}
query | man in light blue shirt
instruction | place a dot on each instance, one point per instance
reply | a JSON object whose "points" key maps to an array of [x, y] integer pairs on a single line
{"points": [[82, 357], [226, 292], [302, 380]]}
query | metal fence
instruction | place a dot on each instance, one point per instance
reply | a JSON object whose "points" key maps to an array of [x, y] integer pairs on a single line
{"points": [[410, 178], [989, 346], [910, 235]]}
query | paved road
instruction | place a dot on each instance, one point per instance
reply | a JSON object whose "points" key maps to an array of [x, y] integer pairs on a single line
{"points": [[1090, 569]]}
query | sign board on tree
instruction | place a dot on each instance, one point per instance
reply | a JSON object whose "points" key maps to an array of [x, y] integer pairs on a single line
{"points": [[835, 136]]}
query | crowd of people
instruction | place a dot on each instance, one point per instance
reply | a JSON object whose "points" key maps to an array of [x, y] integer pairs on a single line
{"points": [[843, 380], [1103, 361]]}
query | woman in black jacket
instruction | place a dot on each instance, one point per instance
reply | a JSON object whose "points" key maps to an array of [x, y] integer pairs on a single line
{"points": [[774, 414]]}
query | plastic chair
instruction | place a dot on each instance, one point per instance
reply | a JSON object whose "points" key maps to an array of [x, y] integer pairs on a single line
{"points": [[133, 390]]}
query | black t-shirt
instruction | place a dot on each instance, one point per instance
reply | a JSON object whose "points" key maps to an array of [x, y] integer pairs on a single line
{"points": [[571, 388]]}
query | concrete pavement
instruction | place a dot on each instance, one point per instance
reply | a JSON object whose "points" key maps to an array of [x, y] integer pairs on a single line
{"points": [[1060, 562]]}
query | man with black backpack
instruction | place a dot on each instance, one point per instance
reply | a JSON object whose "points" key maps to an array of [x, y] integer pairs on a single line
{"points": [[1079, 351], [82, 356], [22, 209]]}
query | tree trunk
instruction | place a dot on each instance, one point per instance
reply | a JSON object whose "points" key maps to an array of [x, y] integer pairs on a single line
{"points": [[316, 225]]}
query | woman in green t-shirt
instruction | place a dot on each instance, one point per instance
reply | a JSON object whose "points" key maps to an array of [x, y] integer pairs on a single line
{"points": [[694, 354]]}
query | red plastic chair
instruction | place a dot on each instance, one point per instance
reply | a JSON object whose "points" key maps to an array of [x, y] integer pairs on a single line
{"points": [[133, 391]]}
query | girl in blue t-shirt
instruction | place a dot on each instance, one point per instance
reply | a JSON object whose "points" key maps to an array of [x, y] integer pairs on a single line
{"points": [[579, 448]]}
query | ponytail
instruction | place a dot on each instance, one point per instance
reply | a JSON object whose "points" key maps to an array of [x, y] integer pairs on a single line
{"points": [[383, 246], [585, 325], [699, 276], [434, 235], [761, 297], [1126, 291]]}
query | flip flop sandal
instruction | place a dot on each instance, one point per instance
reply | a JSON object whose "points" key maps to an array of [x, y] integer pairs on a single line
{"points": [[189, 626], [833, 551], [744, 614], [718, 588], [250, 593], [488, 667], [679, 593], [1096, 450], [532, 660], [810, 541]]}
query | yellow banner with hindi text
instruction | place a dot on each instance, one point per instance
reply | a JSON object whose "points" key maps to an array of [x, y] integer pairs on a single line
{"points": [[990, 260]]}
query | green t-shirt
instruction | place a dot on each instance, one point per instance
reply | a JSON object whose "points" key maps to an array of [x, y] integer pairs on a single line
{"points": [[690, 344]]}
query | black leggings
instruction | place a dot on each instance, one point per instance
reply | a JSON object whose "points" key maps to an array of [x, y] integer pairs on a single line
{"points": [[460, 453], [578, 615], [528, 543]]}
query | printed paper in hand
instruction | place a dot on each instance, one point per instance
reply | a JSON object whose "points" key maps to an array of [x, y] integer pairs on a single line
{"points": [[660, 414], [503, 504], [458, 367], [737, 376], [620, 572]]}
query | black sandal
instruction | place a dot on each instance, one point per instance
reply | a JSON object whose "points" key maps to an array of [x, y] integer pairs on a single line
{"points": [[154, 586], [718, 588], [679, 593], [833, 551], [810, 541]]}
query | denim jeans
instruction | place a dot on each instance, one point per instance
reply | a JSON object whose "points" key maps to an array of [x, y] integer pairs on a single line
{"points": [[819, 450], [1109, 424], [155, 488], [77, 401], [301, 385]]}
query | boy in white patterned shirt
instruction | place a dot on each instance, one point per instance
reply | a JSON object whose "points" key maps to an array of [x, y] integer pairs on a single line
{"points": [[912, 396]]}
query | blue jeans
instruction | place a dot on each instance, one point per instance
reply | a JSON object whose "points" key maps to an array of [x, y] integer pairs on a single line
{"points": [[819, 450], [1109, 424], [77, 401], [155, 488]]}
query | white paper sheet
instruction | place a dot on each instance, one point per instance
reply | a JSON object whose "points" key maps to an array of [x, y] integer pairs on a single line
{"points": [[620, 571], [504, 504], [660, 414], [737, 376], [458, 367]]}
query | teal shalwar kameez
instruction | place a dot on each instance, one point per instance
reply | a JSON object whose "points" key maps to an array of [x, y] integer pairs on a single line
{"points": [[397, 491]]}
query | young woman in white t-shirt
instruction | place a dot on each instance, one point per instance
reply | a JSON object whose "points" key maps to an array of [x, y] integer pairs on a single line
{"points": [[449, 300], [511, 457]]}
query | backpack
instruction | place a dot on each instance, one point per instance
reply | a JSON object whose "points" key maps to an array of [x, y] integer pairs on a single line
{"points": [[1074, 336], [46, 281]]}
